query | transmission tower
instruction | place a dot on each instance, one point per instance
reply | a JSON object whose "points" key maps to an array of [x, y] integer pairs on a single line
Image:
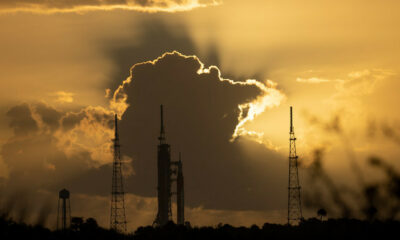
{"points": [[294, 200], [118, 218]]}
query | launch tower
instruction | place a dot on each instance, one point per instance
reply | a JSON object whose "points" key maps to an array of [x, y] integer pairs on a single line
{"points": [[164, 177], [166, 169]]}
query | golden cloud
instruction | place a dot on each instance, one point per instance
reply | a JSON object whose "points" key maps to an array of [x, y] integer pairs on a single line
{"points": [[64, 97], [90, 133], [270, 97], [312, 80], [361, 82], [65, 6]]}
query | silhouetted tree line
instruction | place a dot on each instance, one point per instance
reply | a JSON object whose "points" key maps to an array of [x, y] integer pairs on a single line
{"points": [[80, 229], [308, 229]]}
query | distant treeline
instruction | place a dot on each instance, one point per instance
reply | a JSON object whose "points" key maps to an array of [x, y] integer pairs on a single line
{"points": [[308, 229]]}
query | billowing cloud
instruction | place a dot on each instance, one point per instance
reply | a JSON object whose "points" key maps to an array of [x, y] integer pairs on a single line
{"points": [[54, 144], [89, 130], [270, 97], [22, 121], [267, 97], [54, 6], [206, 117]]}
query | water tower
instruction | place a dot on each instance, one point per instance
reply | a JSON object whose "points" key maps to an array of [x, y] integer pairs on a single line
{"points": [[64, 210]]}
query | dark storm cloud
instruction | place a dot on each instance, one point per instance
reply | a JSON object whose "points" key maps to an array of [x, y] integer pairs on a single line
{"points": [[152, 37], [50, 116], [201, 114], [73, 149], [22, 121], [50, 6], [70, 120], [49, 149]]}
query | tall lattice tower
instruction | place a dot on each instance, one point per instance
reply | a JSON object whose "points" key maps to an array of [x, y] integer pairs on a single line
{"points": [[118, 218], [294, 200]]}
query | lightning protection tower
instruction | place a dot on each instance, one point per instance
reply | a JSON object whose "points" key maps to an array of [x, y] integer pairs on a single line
{"points": [[294, 200], [64, 210], [118, 218]]}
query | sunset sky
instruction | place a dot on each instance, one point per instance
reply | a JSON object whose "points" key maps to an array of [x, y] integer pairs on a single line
{"points": [[226, 72]]}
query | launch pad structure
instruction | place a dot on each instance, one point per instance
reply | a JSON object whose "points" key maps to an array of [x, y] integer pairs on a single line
{"points": [[168, 172]]}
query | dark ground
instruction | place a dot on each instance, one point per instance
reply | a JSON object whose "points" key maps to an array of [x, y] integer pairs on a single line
{"points": [[308, 229]]}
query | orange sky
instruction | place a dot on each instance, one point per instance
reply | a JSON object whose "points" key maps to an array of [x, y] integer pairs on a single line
{"points": [[327, 59]]}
